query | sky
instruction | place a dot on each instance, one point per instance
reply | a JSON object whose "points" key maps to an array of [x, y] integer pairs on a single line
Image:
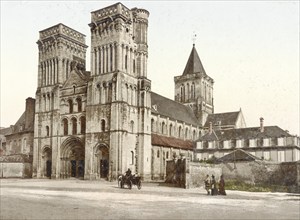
{"points": [[249, 48]]}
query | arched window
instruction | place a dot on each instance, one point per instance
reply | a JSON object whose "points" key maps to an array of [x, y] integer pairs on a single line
{"points": [[186, 133], [102, 125], [47, 131], [70, 106], [74, 126], [111, 59], [82, 125], [163, 128], [65, 124], [182, 93], [132, 157], [158, 153], [133, 66], [79, 104], [179, 132], [194, 92], [126, 62], [167, 155], [152, 125], [132, 126], [194, 135], [170, 130], [188, 91]]}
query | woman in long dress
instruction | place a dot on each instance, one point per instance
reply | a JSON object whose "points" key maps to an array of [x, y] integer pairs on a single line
{"points": [[222, 186]]}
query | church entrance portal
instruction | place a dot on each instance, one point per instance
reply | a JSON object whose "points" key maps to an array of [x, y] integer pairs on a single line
{"points": [[72, 160], [46, 169], [102, 161]]}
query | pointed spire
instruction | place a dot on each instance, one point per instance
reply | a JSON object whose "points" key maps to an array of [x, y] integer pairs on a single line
{"points": [[194, 64]]}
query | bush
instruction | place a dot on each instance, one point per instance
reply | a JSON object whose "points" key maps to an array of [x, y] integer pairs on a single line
{"points": [[242, 186]]}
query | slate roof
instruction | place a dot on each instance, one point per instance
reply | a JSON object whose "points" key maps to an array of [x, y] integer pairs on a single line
{"points": [[172, 109], [237, 155], [160, 140], [246, 133], [227, 118], [194, 64], [5, 131]]}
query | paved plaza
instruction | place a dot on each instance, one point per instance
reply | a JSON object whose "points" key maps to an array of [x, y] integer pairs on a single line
{"points": [[78, 199]]}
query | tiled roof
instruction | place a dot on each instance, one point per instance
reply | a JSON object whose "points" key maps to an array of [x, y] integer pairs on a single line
{"points": [[172, 109], [237, 155], [21, 120], [248, 133], [194, 64], [210, 136], [159, 140], [227, 118]]}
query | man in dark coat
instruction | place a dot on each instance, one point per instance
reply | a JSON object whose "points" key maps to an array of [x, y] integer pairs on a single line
{"points": [[214, 190], [222, 186]]}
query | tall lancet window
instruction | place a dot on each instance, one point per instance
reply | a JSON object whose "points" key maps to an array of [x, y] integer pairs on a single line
{"points": [[125, 62], [65, 125], [79, 104], [70, 106]]}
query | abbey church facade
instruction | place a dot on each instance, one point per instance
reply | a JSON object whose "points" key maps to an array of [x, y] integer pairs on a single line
{"points": [[98, 123]]}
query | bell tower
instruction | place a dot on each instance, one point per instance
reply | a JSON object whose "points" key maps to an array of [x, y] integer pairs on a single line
{"points": [[195, 88], [119, 91], [58, 47]]}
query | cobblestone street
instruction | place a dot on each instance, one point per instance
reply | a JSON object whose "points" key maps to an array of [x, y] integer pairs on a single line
{"points": [[76, 199]]}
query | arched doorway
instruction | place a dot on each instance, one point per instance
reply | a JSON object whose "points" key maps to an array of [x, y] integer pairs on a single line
{"points": [[101, 165], [72, 160], [46, 162]]}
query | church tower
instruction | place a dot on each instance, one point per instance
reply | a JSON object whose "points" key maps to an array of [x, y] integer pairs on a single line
{"points": [[59, 47], [195, 88], [118, 133]]}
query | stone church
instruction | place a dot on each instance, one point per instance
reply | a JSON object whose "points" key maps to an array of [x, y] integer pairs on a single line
{"points": [[96, 124]]}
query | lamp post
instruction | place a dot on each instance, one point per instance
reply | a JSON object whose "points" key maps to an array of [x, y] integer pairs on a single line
{"points": [[136, 153]]}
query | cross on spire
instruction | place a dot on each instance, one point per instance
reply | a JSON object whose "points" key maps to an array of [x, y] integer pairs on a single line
{"points": [[194, 38]]}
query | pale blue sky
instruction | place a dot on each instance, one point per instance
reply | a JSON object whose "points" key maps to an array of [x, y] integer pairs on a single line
{"points": [[250, 49]]}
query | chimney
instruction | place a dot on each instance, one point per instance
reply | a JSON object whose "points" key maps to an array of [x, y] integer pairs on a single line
{"points": [[29, 113], [210, 127], [261, 124]]}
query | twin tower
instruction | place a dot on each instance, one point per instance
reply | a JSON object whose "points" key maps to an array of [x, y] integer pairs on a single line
{"points": [[97, 124]]}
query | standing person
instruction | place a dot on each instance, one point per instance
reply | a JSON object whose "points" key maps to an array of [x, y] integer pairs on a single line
{"points": [[214, 190], [207, 184], [222, 186]]}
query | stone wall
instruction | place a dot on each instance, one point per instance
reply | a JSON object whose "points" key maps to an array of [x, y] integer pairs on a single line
{"points": [[196, 173], [188, 174], [264, 173], [15, 170]]}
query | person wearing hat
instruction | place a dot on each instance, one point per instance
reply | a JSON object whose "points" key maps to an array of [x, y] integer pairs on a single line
{"points": [[207, 184], [214, 190]]}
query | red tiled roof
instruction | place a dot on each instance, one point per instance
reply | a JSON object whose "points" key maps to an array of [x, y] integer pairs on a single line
{"points": [[171, 142]]}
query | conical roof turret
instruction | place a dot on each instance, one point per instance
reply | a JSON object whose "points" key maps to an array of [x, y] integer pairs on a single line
{"points": [[194, 64]]}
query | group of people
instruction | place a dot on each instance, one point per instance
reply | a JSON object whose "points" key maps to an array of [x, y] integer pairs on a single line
{"points": [[211, 185]]}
